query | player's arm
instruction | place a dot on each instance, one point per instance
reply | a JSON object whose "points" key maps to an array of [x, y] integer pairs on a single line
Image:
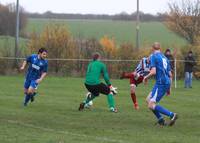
{"points": [[151, 73], [107, 80], [105, 75], [28, 60], [42, 77], [23, 65], [44, 73]]}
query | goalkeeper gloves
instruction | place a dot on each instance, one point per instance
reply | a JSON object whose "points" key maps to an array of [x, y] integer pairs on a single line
{"points": [[113, 90]]}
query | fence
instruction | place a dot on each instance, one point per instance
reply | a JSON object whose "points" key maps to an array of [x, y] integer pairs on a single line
{"points": [[77, 67]]}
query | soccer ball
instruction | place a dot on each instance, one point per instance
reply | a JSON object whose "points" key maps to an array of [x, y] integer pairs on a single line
{"points": [[91, 102]]}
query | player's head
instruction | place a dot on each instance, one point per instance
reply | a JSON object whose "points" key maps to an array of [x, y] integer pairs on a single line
{"points": [[168, 52], [42, 52], [96, 56], [156, 46]]}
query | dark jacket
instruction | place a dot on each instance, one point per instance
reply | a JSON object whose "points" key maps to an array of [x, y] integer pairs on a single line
{"points": [[171, 60], [189, 64]]}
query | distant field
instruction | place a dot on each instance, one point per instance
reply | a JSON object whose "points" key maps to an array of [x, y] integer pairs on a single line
{"points": [[54, 118], [122, 31], [7, 45]]}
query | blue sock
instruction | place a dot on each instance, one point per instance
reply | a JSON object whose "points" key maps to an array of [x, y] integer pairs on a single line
{"points": [[34, 94], [164, 111], [157, 114], [27, 98]]}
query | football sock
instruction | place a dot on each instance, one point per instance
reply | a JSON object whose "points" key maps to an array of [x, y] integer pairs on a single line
{"points": [[27, 98], [164, 111], [157, 114], [111, 101], [34, 94], [89, 98], [133, 97]]}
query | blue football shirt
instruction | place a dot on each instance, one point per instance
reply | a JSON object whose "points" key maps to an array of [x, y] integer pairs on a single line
{"points": [[161, 63], [36, 67]]}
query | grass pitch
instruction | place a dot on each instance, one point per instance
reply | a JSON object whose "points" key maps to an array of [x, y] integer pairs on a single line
{"points": [[54, 118]]}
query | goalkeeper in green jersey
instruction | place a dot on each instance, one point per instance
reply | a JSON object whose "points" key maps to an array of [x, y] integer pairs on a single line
{"points": [[95, 69]]}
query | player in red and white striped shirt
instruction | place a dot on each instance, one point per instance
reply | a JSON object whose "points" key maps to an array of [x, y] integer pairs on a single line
{"points": [[136, 77]]}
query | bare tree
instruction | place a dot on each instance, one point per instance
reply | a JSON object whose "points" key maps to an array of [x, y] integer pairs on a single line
{"points": [[8, 20], [184, 19]]}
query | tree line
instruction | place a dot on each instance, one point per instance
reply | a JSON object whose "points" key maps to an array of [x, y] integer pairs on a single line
{"points": [[144, 17]]}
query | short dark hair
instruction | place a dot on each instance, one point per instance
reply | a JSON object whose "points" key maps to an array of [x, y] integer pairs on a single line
{"points": [[41, 50], [167, 50], [190, 52]]}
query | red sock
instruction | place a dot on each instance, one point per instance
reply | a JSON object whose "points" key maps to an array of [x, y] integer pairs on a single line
{"points": [[133, 97]]}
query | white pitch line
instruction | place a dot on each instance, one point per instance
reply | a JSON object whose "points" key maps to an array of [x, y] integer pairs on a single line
{"points": [[66, 132]]}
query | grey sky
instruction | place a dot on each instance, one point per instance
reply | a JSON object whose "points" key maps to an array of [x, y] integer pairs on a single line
{"points": [[92, 6]]}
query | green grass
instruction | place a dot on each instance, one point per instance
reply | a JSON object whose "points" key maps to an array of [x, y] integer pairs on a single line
{"points": [[122, 31], [53, 117], [7, 45]]}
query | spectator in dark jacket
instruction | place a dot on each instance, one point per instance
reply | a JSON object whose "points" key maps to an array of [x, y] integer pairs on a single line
{"points": [[188, 69], [170, 58]]}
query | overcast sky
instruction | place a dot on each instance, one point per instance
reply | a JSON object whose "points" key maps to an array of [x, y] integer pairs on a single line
{"points": [[92, 6]]}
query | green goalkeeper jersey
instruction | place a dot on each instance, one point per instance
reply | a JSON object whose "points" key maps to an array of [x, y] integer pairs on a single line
{"points": [[94, 71]]}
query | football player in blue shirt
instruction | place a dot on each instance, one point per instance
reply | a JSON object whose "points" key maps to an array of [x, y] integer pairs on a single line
{"points": [[37, 70], [160, 67]]}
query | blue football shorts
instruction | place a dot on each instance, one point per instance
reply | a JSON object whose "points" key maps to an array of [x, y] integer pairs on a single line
{"points": [[158, 92], [30, 83]]}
